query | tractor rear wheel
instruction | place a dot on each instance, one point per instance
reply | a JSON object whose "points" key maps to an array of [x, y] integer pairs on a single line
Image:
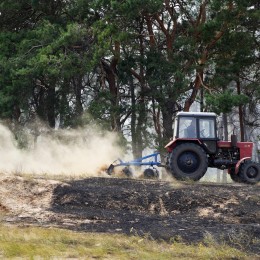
{"points": [[167, 162], [249, 172], [188, 161]]}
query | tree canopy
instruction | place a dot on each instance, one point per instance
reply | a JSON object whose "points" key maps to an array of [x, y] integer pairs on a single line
{"points": [[129, 65]]}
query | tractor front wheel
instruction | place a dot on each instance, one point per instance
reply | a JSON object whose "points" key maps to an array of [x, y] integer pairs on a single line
{"points": [[235, 177], [249, 172], [188, 161]]}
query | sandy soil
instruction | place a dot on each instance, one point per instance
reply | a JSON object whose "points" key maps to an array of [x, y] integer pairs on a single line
{"points": [[172, 211]]}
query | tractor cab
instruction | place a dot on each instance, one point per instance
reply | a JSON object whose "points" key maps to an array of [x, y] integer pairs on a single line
{"points": [[195, 125], [198, 126]]}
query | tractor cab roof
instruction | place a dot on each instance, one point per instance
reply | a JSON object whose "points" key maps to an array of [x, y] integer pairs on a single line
{"points": [[197, 114]]}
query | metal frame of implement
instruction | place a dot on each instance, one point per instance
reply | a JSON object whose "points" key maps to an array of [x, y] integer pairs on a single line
{"points": [[137, 162]]}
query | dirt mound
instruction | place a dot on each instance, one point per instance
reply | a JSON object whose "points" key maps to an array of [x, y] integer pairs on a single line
{"points": [[161, 210]]}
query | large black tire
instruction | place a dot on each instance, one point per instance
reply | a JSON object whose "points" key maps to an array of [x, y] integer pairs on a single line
{"points": [[249, 172], [188, 161], [167, 162], [235, 177]]}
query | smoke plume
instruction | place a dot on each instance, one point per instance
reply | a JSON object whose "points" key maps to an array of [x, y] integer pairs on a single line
{"points": [[69, 152]]}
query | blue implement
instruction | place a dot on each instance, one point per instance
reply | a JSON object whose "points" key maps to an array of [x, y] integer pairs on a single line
{"points": [[137, 162]]}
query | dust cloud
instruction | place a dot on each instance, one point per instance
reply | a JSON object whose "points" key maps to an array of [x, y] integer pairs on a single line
{"points": [[63, 152]]}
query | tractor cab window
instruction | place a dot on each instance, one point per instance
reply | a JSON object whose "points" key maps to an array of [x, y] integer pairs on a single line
{"points": [[187, 127], [207, 128]]}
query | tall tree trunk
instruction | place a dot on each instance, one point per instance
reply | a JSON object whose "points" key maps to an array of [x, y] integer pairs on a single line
{"points": [[46, 104], [16, 113], [63, 105], [40, 104], [140, 130], [202, 99], [140, 108], [141, 119], [168, 110], [78, 96], [225, 126], [201, 19], [133, 117], [240, 112], [196, 86], [111, 77], [157, 122], [50, 106]]}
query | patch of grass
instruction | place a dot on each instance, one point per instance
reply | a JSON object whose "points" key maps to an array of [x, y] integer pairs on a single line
{"points": [[31, 242]]}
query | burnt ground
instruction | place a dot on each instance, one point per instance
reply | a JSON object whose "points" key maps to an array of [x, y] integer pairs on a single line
{"points": [[186, 212]]}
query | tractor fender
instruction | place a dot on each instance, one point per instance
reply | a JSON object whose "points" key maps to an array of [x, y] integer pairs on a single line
{"points": [[239, 163], [177, 141]]}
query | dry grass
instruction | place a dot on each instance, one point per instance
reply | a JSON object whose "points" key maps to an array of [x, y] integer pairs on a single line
{"points": [[34, 242]]}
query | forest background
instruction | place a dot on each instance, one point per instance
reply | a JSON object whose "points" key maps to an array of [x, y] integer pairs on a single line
{"points": [[129, 65]]}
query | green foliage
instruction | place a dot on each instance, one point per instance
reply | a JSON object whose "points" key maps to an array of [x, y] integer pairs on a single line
{"points": [[131, 9], [224, 102], [50, 53], [99, 107]]}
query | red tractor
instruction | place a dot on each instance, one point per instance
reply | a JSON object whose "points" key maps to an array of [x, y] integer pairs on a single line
{"points": [[196, 147]]}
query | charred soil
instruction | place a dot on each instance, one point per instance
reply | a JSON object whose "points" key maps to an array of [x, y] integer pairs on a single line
{"points": [[187, 212]]}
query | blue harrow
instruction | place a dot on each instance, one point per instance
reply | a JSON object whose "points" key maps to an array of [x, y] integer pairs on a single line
{"points": [[151, 172]]}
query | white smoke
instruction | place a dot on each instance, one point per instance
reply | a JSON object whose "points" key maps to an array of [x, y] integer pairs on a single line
{"points": [[70, 152]]}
